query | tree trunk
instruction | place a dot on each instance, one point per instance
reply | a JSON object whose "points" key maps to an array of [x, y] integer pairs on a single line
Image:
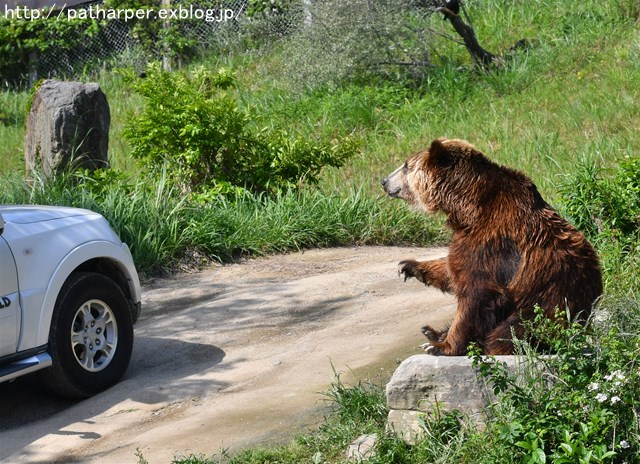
{"points": [[481, 57]]}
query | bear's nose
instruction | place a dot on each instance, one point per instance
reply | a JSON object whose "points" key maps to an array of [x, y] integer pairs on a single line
{"points": [[384, 181]]}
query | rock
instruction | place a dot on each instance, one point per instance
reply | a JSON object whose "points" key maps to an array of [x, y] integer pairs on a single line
{"points": [[362, 447], [68, 125], [421, 381], [406, 424]]}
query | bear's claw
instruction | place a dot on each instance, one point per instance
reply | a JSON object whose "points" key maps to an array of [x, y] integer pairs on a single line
{"points": [[434, 351], [407, 268]]}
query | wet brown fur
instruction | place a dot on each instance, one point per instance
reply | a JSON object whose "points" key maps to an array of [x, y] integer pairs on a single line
{"points": [[510, 250]]}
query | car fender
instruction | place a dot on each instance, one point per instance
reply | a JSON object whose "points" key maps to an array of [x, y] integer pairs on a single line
{"points": [[119, 255]]}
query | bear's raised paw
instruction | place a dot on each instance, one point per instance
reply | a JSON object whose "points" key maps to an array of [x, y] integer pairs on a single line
{"points": [[410, 268]]}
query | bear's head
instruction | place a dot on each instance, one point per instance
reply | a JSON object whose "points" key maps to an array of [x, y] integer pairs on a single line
{"points": [[451, 176]]}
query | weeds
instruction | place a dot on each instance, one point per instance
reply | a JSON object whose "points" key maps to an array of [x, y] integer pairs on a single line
{"points": [[575, 406]]}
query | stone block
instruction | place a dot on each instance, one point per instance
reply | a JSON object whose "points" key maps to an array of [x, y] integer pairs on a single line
{"points": [[405, 424], [421, 381]]}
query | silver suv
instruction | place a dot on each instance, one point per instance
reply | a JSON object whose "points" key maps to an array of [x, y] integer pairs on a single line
{"points": [[69, 296]]}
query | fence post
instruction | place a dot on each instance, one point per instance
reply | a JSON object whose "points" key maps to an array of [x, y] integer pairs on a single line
{"points": [[33, 67], [308, 18], [166, 50]]}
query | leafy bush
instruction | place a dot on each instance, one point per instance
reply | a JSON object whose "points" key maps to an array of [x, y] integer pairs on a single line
{"points": [[193, 125], [597, 203], [606, 206], [575, 406], [22, 40]]}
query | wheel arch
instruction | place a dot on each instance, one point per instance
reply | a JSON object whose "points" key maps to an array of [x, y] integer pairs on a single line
{"points": [[102, 257], [112, 269]]}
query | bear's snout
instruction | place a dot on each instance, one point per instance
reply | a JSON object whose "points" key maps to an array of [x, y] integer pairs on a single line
{"points": [[389, 188], [392, 184]]}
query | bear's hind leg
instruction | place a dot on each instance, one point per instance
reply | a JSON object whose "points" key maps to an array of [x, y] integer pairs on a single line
{"points": [[500, 340], [481, 317]]}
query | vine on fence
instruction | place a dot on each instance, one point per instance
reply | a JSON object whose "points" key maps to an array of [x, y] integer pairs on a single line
{"points": [[65, 43], [22, 41]]}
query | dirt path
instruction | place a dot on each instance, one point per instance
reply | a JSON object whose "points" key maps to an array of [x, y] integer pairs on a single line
{"points": [[232, 356]]}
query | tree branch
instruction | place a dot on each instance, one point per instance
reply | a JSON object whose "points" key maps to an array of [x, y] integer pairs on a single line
{"points": [[482, 57]]}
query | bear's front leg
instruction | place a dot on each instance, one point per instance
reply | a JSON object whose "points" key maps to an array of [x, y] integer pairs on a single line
{"points": [[446, 342], [434, 273]]}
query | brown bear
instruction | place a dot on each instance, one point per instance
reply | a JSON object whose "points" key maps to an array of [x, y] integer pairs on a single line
{"points": [[510, 250]]}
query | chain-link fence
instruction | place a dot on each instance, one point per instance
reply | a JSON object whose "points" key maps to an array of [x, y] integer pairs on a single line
{"points": [[171, 33], [328, 40]]}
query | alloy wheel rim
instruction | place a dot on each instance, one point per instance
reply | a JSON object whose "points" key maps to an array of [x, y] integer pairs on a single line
{"points": [[94, 335]]}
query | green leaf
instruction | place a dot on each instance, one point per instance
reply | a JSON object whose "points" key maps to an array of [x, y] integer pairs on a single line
{"points": [[539, 456]]}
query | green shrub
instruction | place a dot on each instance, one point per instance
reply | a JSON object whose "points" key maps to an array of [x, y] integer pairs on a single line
{"points": [[192, 125], [605, 204], [24, 40], [597, 202], [575, 406]]}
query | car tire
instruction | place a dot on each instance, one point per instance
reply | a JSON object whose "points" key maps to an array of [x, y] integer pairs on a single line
{"points": [[91, 336]]}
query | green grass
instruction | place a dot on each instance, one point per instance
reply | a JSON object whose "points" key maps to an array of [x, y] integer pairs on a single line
{"points": [[12, 130], [570, 96], [165, 230]]}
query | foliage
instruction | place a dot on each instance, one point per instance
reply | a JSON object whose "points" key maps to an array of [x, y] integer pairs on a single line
{"points": [[193, 126], [268, 7], [596, 202], [605, 204], [148, 32], [356, 404], [23, 40], [169, 36], [577, 405]]}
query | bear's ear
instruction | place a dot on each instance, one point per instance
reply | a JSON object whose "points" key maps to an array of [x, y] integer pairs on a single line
{"points": [[439, 155]]}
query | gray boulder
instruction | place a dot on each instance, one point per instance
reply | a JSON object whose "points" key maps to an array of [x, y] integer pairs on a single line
{"points": [[67, 127], [423, 384]]}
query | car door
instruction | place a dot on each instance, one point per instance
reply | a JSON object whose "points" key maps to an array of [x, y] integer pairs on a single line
{"points": [[9, 299]]}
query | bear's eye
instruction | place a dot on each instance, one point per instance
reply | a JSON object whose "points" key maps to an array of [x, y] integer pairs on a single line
{"points": [[405, 166]]}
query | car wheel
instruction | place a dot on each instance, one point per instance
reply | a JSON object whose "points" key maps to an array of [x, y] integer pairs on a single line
{"points": [[91, 336]]}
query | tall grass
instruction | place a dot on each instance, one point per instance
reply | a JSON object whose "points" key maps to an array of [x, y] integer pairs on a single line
{"points": [[13, 106], [165, 229]]}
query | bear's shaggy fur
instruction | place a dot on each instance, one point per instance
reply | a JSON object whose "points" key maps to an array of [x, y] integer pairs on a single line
{"points": [[510, 250]]}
